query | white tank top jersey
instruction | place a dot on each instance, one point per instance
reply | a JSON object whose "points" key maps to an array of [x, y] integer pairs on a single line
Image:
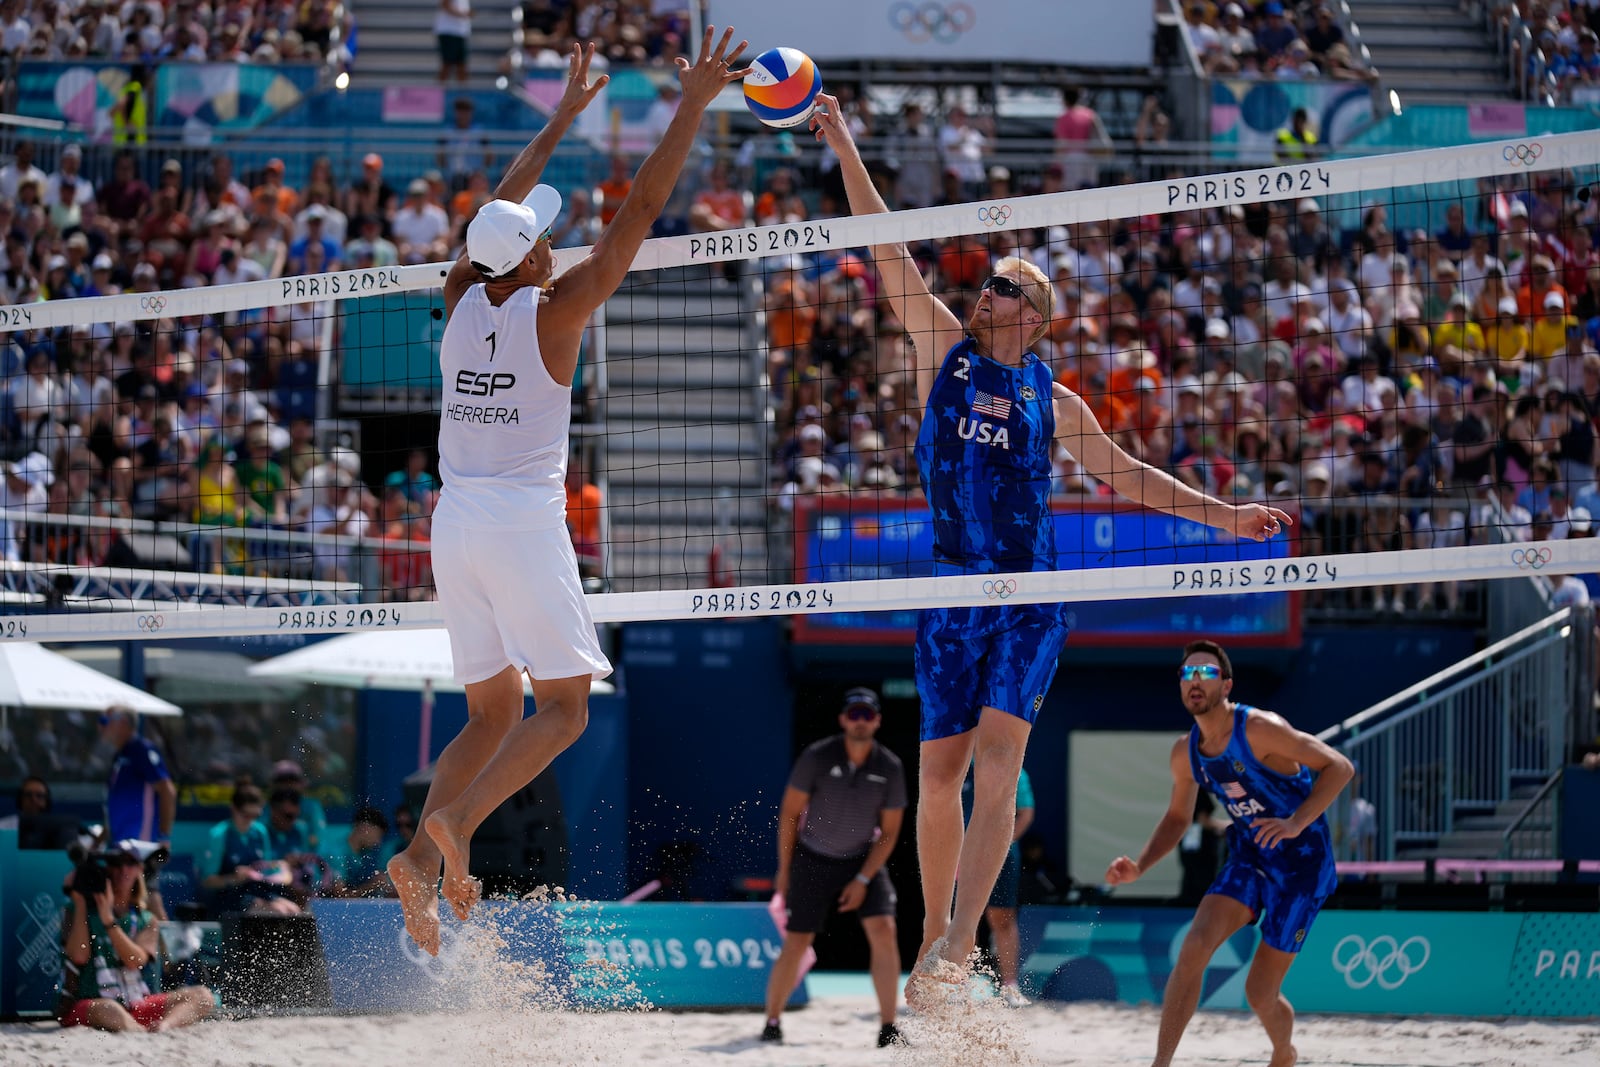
{"points": [[504, 424]]}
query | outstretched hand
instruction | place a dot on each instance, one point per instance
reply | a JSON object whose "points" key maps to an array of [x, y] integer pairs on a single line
{"points": [[580, 91], [830, 125], [703, 79], [1257, 522]]}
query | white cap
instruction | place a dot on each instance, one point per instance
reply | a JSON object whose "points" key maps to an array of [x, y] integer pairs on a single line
{"points": [[1217, 329], [1555, 300], [1579, 519], [502, 233]]}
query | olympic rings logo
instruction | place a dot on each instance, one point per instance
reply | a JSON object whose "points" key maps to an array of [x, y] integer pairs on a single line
{"points": [[157, 304], [441, 968], [151, 623], [1530, 559], [1386, 961], [998, 215], [1523, 154], [931, 21], [999, 588]]}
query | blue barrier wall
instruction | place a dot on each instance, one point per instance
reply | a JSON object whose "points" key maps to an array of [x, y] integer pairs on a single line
{"points": [[616, 956], [1366, 962]]}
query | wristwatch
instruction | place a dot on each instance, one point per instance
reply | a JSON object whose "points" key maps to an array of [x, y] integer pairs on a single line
{"points": [[863, 879]]}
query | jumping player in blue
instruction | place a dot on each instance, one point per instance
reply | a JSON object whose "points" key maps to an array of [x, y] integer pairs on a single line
{"points": [[992, 413], [1276, 782]]}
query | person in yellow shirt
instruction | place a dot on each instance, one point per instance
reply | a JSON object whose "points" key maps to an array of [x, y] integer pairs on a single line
{"points": [[1506, 338], [1458, 341], [1550, 329]]}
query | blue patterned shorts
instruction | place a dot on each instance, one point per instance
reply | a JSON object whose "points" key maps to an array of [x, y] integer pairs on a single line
{"points": [[1285, 903], [971, 658]]}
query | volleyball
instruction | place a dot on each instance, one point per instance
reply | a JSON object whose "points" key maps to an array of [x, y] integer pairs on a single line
{"points": [[782, 86]]}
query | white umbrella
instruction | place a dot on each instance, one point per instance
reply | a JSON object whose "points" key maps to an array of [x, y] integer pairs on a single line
{"points": [[31, 676], [412, 661]]}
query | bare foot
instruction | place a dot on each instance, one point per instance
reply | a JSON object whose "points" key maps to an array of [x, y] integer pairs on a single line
{"points": [[460, 888], [934, 979], [1287, 1058], [419, 901]]}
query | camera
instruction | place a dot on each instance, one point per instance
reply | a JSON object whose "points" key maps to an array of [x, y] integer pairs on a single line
{"points": [[91, 873]]}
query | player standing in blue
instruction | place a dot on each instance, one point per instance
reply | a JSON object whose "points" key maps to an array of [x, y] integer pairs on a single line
{"points": [[992, 411], [1276, 783]]}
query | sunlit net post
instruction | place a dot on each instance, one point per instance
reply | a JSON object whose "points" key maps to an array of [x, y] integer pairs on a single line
{"points": [[751, 431]]}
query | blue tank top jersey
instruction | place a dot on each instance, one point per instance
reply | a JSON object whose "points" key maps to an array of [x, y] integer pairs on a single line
{"points": [[1249, 790], [984, 456]]}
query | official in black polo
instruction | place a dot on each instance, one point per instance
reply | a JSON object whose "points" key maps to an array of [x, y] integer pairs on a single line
{"points": [[851, 792]]}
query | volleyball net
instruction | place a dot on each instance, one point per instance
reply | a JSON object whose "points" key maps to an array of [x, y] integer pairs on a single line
{"points": [[1398, 350]]}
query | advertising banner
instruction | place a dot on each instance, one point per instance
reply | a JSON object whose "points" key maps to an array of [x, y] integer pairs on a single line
{"points": [[1357, 962], [1248, 113], [840, 539], [599, 955], [1078, 33], [31, 903]]}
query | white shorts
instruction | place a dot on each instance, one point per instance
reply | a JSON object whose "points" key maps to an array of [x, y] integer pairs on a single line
{"points": [[513, 598]]}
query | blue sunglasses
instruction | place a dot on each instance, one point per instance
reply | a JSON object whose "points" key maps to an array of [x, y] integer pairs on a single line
{"points": [[1200, 672]]}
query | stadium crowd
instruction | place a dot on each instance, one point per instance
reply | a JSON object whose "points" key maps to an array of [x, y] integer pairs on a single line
{"points": [[186, 31], [1271, 39]]}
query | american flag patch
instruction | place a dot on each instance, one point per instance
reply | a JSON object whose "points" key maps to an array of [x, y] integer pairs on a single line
{"points": [[1234, 790], [994, 406]]}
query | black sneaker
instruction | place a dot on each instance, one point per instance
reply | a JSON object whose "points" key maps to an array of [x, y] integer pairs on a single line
{"points": [[773, 1033], [888, 1035]]}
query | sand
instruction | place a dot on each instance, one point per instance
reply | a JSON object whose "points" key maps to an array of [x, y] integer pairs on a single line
{"points": [[832, 1030]]}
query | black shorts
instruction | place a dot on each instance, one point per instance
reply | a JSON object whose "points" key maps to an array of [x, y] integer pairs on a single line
{"points": [[1005, 887], [815, 882], [452, 49]]}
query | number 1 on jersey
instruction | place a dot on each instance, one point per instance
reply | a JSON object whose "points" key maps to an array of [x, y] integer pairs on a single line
{"points": [[490, 340]]}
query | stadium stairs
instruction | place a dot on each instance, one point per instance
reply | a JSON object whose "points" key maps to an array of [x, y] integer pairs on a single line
{"points": [[687, 440], [1430, 52], [396, 43]]}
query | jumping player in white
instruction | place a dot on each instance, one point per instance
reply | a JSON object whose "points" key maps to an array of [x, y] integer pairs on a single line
{"points": [[503, 563]]}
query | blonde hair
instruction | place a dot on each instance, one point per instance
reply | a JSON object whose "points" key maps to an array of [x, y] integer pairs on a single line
{"points": [[1036, 290]]}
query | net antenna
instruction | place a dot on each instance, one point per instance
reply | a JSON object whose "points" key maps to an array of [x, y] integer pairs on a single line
{"points": [[264, 580]]}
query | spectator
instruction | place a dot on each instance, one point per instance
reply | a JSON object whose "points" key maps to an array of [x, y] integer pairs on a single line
{"points": [[963, 148], [912, 155], [1323, 33], [1081, 139], [141, 799], [288, 839], [420, 226], [369, 195], [719, 207], [1276, 33], [452, 27], [584, 506], [464, 148], [20, 170], [363, 874], [414, 482], [32, 799], [287, 774], [1296, 141], [614, 189], [237, 868]]}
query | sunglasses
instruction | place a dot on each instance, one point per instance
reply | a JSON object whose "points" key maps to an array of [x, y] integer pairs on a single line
{"points": [[1004, 286], [1200, 672], [861, 713], [548, 230]]}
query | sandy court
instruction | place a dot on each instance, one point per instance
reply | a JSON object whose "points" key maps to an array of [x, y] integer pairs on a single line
{"points": [[833, 1031]]}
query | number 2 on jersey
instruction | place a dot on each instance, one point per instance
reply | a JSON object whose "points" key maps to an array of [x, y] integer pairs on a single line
{"points": [[961, 371]]}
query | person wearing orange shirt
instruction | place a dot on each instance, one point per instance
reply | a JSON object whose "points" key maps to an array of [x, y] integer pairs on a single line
{"points": [[614, 190], [720, 207], [1542, 281], [286, 199], [1087, 376], [791, 306], [584, 501]]}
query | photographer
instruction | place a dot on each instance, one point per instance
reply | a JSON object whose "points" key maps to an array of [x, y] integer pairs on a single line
{"points": [[111, 936]]}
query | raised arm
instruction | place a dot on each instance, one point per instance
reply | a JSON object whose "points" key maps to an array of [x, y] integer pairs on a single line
{"points": [[524, 172], [589, 284], [1173, 825], [932, 327], [1141, 483]]}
